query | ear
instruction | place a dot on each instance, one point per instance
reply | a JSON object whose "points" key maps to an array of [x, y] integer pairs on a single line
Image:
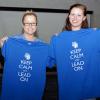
{"points": [[84, 18]]}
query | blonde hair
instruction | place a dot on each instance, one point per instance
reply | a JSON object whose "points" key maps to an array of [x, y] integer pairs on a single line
{"points": [[29, 13]]}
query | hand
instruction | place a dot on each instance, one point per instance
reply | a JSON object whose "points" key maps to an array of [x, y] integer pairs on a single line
{"points": [[2, 40]]}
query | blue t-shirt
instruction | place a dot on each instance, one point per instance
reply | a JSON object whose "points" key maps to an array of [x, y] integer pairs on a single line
{"points": [[24, 72], [77, 55]]}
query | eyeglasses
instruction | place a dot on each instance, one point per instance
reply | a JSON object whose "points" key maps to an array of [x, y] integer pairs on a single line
{"points": [[30, 24]]}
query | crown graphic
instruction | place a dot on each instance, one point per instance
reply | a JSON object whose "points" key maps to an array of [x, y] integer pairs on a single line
{"points": [[74, 44]]}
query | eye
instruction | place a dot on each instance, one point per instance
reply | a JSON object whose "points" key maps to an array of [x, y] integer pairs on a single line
{"points": [[79, 15], [28, 24], [72, 14]]}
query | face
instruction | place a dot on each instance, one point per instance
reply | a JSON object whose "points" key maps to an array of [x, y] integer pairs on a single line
{"points": [[29, 25], [76, 18]]}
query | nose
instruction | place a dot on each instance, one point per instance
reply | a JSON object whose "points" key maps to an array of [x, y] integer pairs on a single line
{"points": [[75, 17], [30, 24]]}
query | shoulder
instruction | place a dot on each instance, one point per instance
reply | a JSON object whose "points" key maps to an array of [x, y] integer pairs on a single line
{"points": [[95, 33], [17, 36], [61, 35], [57, 35], [41, 42], [93, 29]]}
